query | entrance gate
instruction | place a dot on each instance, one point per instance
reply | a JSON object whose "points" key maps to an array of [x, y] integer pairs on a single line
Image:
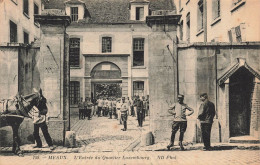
{"points": [[106, 80]]}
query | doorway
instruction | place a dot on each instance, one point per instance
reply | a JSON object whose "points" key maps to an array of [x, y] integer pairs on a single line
{"points": [[241, 86]]}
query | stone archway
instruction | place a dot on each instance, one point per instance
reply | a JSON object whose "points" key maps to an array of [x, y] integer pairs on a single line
{"points": [[106, 80]]}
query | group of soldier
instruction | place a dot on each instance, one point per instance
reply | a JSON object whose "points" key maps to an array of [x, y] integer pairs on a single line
{"points": [[85, 108], [120, 108], [205, 116], [138, 107]]}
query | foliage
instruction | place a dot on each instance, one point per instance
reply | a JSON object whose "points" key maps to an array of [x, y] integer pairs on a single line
{"points": [[108, 90]]}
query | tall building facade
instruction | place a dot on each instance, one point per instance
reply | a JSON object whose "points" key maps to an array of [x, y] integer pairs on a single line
{"points": [[17, 16], [109, 45], [218, 20]]}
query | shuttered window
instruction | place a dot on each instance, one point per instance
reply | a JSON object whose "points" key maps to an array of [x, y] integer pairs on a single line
{"points": [[238, 34], [215, 9]]}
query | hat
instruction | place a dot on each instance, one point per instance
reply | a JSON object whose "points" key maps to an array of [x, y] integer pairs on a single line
{"points": [[181, 96]]}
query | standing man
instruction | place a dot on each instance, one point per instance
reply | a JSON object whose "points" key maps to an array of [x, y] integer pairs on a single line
{"points": [[144, 107], [110, 107], [114, 107], [39, 120], [118, 108], [206, 116], [100, 103], [88, 107], [124, 113], [147, 105], [81, 108], [178, 110], [139, 109]]}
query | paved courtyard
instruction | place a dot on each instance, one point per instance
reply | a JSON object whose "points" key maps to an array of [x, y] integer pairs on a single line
{"points": [[103, 134]]}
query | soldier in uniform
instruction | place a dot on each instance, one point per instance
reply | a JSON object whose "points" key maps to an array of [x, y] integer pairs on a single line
{"points": [[81, 108], [147, 105], [178, 110], [110, 107], [144, 107], [114, 107], [88, 106], [100, 104], [118, 107], [206, 116], [140, 110], [124, 113]]}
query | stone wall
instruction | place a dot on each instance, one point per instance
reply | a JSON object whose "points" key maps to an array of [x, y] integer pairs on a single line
{"points": [[201, 69], [21, 72]]}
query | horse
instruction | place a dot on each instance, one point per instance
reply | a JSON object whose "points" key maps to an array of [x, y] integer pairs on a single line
{"points": [[14, 112]]}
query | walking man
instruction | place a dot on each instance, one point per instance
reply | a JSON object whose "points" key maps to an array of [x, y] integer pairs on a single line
{"points": [[178, 110], [124, 113], [206, 116]]}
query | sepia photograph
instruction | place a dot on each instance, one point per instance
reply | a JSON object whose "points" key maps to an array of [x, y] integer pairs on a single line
{"points": [[130, 82]]}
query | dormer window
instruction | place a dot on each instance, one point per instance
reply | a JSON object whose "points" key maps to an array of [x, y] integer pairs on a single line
{"points": [[74, 14], [139, 10], [75, 9], [139, 13]]}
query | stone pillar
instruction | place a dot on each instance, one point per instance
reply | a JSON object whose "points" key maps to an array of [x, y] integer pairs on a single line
{"points": [[162, 70], [255, 111], [225, 126], [53, 65]]}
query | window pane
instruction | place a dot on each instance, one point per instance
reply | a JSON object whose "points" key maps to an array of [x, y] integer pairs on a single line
{"points": [[26, 7], [138, 88], [74, 14], [74, 92], [13, 32], [139, 13], [138, 52], [25, 38], [74, 52], [106, 44], [36, 9]]}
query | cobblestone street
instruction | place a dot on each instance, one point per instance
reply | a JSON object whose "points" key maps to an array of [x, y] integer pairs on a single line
{"points": [[103, 134]]}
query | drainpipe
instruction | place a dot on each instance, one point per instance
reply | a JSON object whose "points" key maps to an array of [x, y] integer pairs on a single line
{"points": [[205, 19]]}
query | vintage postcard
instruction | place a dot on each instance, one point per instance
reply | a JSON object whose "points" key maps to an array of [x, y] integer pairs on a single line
{"points": [[129, 82]]}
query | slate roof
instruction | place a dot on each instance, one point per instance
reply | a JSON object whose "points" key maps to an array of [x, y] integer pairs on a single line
{"points": [[109, 11]]}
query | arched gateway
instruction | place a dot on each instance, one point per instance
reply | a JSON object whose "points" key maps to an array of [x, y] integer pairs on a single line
{"points": [[106, 80]]}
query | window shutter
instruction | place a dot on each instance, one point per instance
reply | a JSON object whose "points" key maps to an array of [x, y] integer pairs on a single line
{"points": [[230, 36]]}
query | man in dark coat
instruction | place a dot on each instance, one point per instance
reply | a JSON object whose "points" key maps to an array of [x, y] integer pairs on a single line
{"points": [[139, 110], [206, 116], [39, 120]]}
